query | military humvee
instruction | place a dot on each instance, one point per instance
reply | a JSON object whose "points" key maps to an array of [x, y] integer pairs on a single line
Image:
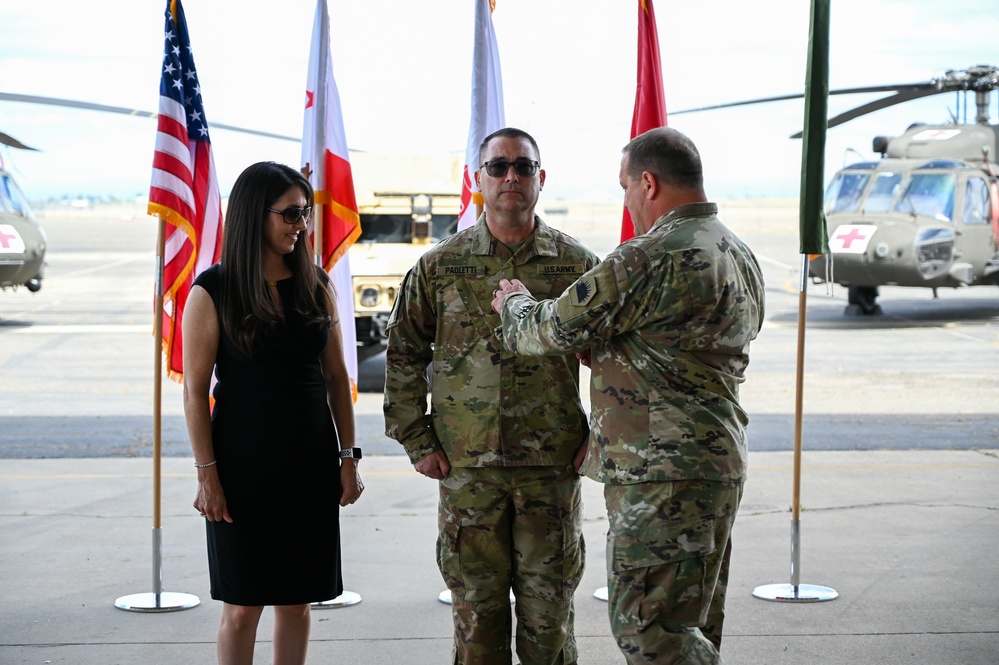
{"points": [[406, 203]]}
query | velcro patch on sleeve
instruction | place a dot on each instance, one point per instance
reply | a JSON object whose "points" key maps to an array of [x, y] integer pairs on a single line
{"points": [[583, 290]]}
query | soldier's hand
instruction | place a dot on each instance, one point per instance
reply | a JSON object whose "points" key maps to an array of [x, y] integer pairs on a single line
{"points": [[506, 287], [434, 465]]}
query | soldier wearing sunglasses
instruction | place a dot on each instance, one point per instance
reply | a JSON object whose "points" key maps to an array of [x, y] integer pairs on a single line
{"points": [[504, 432]]}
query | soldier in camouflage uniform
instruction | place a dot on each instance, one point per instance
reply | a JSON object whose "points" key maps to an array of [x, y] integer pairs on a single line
{"points": [[505, 433], [664, 323]]}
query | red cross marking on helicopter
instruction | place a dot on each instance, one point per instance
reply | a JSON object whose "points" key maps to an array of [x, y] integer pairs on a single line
{"points": [[848, 238], [5, 239]]}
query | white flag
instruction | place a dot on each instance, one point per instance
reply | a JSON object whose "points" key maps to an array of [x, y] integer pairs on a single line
{"points": [[335, 222], [487, 106]]}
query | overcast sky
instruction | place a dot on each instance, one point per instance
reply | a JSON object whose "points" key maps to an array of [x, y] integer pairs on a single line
{"points": [[403, 68]]}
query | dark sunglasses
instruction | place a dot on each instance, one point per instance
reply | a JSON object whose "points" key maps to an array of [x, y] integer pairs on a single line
{"points": [[498, 168], [292, 215]]}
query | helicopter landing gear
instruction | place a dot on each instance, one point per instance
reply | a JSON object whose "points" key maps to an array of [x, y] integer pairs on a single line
{"points": [[862, 301]]}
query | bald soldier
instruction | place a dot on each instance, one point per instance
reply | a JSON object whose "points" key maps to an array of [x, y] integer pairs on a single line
{"points": [[665, 323], [504, 431]]}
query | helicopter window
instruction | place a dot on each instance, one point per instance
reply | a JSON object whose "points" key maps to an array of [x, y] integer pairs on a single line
{"points": [[11, 198], [976, 202], [930, 194], [844, 192], [883, 192]]}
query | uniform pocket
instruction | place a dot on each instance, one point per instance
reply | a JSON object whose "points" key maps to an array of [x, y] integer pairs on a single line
{"points": [[659, 575], [573, 551], [449, 528]]}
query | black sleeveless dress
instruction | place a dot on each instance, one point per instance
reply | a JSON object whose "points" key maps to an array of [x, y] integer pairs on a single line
{"points": [[277, 451]]}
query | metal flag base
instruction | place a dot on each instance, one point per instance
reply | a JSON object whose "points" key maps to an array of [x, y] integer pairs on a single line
{"points": [[345, 599], [601, 594], [165, 601], [802, 593], [795, 592], [157, 600], [445, 597]]}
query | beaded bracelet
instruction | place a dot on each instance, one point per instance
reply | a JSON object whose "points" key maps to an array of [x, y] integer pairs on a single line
{"points": [[206, 464]]}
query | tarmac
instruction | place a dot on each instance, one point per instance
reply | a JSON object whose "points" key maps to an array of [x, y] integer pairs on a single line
{"points": [[906, 539]]}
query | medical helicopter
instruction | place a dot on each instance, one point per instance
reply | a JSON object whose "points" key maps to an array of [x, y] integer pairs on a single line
{"points": [[926, 214], [22, 240]]}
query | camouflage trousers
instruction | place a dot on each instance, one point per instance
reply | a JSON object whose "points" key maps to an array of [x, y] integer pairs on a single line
{"points": [[504, 528], [668, 552]]}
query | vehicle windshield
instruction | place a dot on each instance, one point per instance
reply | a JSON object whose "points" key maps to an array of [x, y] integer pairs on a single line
{"points": [[930, 194], [11, 198], [399, 228], [845, 191], [883, 192]]}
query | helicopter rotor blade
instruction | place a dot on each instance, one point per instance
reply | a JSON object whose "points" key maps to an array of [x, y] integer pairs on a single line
{"points": [[7, 139], [842, 91], [70, 103], [876, 105]]}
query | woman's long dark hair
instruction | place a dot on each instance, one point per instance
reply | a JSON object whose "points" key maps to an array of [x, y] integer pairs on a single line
{"points": [[246, 308]]}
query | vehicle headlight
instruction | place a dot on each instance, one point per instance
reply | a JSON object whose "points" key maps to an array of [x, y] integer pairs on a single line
{"points": [[370, 296], [934, 251]]}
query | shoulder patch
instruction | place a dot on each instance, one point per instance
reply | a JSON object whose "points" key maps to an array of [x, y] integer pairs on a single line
{"points": [[583, 290]]}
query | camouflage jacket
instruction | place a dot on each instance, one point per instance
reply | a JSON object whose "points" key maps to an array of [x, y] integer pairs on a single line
{"points": [[489, 407], [668, 317]]}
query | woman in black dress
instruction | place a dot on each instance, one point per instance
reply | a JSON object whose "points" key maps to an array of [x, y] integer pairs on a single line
{"points": [[271, 475]]}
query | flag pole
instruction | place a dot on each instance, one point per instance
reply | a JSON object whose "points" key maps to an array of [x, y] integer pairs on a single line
{"points": [[157, 600], [813, 240], [317, 233], [317, 139]]}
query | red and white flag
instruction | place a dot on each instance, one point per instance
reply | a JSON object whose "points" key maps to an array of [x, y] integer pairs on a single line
{"points": [[335, 221], [487, 107], [650, 101], [184, 192]]}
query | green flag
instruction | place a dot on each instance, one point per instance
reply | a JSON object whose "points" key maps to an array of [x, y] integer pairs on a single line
{"points": [[814, 238]]}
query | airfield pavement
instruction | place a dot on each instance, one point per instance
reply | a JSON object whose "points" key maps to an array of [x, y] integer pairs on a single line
{"points": [[900, 520]]}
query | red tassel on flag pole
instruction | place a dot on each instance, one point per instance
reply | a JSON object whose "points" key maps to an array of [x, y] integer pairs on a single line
{"points": [[650, 101]]}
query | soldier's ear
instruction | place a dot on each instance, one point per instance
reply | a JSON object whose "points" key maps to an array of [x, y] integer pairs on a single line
{"points": [[650, 185]]}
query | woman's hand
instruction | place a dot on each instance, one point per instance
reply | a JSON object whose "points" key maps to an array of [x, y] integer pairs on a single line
{"points": [[210, 499], [351, 485]]}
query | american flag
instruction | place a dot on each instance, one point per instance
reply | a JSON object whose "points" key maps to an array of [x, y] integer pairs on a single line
{"points": [[184, 192]]}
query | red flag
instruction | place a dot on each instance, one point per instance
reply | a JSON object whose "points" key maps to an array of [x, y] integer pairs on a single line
{"points": [[326, 162], [184, 192], [650, 102], [487, 107]]}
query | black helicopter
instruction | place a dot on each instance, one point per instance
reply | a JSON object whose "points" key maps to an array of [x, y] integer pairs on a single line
{"points": [[22, 240], [927, 213]]}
